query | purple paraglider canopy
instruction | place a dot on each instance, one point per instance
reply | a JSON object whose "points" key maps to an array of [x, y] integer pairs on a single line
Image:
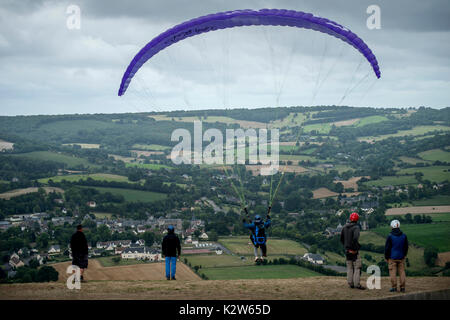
{"points": [[238, 18]]}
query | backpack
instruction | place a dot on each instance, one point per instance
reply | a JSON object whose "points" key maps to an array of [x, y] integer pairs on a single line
{"points": [[258, 238]]}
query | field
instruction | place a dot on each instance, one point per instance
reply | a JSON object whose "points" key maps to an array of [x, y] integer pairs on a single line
{"points": [[150, 147], [102, 215], [243, 246], [19, 192], [292, 120], [435, 155], [392, 181], [141, 271], [410, 160], [131, 195], [213, 119], [417, 210], [95, 176], [69, 161], [225, 260], [439, 217], [323, 193], [84, 145], [344, 123], [258, 272], [433, 173], [430, 234], [416, 131], [324, 128], [371, 119], [438, 200], [309, 288], [150, 166], [108, 262], [350, 183], [295, 157]]}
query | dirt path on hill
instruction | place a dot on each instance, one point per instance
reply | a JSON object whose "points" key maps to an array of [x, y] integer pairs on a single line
{"points": [[273, 289]]}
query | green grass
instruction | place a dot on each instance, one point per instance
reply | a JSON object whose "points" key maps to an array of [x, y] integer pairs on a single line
{"points": [[107, 262], [439, 217], [242, 246], [68, 160], [432, 173], [416, 131], [371, 237], [392, 180], [102, 215], [292, 120], [435, 155], [371, 119], [424, 235], [258, 272], [323, 128], [150, 166], [411, 160], [415, 254], [225, 260], [295, 157], [288, 148], [439, 200], [131, 195], [96, 176], [150, 147]]}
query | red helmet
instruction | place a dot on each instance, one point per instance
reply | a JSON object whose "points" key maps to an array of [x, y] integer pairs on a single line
{"points": [[354, 217]]}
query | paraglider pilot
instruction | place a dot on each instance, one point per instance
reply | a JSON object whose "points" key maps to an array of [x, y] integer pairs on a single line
{"points": [[258, 236]]}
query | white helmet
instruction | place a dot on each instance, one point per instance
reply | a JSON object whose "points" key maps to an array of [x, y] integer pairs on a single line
{"points": [[395, 224]]}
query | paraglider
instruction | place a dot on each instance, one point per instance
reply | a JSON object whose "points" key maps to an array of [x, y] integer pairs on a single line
{"points": [[258, 235], [239, 18]]}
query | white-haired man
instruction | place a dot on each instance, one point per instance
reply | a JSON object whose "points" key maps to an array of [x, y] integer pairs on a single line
{"points": [[395, 252]]}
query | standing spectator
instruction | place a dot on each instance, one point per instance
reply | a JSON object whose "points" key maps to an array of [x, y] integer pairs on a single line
{"points": [[79, 247], [395, 252], [171, 249], [349, 238]]}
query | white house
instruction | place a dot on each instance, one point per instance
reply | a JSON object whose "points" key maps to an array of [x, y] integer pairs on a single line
{"points": [[140, 242], [204, 236], [141, 253], [111, 245], [15, 261], [92, 204], [140, 229], [313, 258], [55, 249]]}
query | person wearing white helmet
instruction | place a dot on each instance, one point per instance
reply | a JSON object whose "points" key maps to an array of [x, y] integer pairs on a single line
{"points": [[395, 252]]}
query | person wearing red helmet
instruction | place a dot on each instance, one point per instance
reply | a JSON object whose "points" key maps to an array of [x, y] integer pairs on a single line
{"points": [[349, 238]]}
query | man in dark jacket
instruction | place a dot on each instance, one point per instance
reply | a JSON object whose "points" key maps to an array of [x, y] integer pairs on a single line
{"points": [[258, 236], [395, 252], [349, 238], [171, 249], [79, 247]]}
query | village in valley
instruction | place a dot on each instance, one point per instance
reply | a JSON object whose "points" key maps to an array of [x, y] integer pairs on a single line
{"points": [[126, 195]]}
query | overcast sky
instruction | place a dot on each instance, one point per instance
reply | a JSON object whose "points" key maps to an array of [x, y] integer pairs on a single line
{"points": [[47, 68]]}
